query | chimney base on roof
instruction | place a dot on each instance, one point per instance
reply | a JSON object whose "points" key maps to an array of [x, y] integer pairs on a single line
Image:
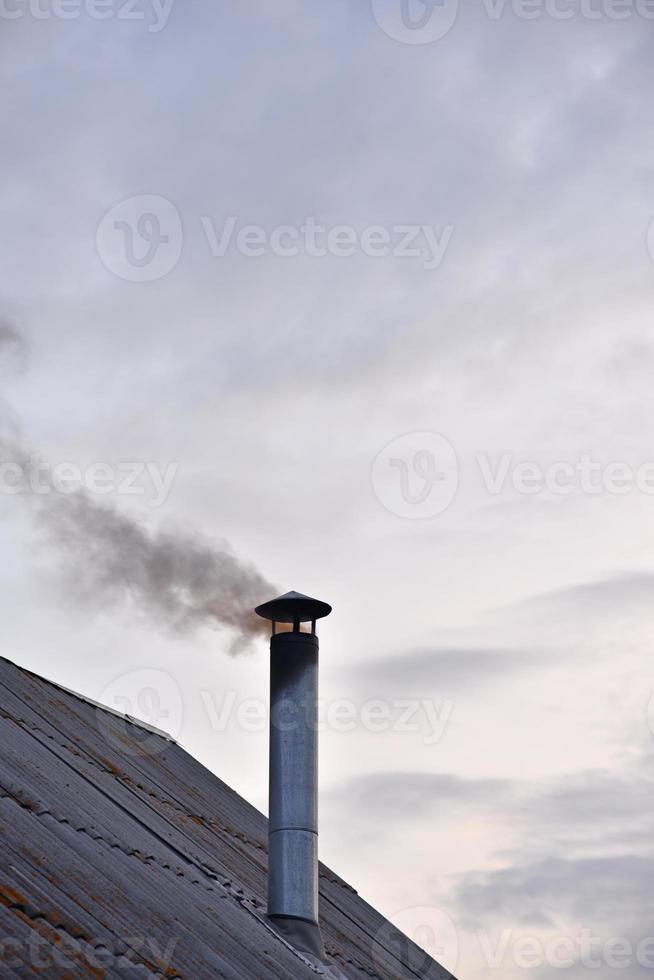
{"points": [[302, 935]]}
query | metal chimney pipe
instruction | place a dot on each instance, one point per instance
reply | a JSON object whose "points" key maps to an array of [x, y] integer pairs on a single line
{"points": [[293, 800], [293, 788]]}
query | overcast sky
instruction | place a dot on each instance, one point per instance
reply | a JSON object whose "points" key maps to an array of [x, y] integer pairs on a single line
{"points": [[419, 386]]}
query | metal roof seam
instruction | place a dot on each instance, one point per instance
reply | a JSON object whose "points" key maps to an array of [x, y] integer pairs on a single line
{"points": [[124, 848], [124, 779], [251, 906], [31, 806], [180, 854], [348, 961], [338, 881]]}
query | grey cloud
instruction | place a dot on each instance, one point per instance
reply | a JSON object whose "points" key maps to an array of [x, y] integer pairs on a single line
{"points": [[629, 592], [583, 844], [590, 804], [444, 669], [596, 891], [401, 795], [347, 323], [593, 801], [584, 859]]}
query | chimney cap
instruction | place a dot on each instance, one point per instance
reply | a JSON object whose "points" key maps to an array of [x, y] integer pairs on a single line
{"points": [[293, 607]]}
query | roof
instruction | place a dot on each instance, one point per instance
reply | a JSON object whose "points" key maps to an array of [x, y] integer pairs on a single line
{"points": [[121, 855]]}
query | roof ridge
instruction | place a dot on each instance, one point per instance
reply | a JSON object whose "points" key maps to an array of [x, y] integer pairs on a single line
{"points": [[130, 719]]}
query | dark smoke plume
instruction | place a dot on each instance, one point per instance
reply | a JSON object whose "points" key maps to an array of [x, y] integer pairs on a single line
{"points": [[12, 345], [180, 581], [13, 356]]}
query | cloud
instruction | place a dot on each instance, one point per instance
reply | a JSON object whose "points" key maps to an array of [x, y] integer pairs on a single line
{"points": [[402, 795], [575, 811], [630, 591], [581, 854], [592, 802], [444, 669], [596, 891], [581, 908], [583, 861]]}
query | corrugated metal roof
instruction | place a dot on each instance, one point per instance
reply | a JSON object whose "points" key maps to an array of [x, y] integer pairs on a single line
{"points": [[117, 860]]}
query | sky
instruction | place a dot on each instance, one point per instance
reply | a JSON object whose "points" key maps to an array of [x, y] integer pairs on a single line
{"points": [[354, 299]]}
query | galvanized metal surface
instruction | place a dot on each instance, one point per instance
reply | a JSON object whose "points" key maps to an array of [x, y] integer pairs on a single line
{"points": [[293, 816], [122, 856]]}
